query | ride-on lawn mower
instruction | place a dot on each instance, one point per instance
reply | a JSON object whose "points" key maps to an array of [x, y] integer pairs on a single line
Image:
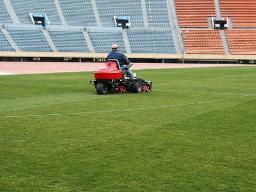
{"points": [[111, 79]]}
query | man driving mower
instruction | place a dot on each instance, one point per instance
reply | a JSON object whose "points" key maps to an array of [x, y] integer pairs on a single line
{"points": [[122, 59], [116, 76]]}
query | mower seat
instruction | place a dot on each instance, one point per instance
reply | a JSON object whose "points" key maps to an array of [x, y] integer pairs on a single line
{"points": [[113, 63]]}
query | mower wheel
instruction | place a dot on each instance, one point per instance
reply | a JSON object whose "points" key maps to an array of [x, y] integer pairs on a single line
{"points": [[101, 89], [136, 87]]}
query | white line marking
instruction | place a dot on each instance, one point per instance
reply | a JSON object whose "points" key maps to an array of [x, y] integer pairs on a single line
{"points": [[4, 73]]}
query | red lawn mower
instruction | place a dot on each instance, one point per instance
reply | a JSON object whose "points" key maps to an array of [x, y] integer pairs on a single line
{"points": [[111, 79]]}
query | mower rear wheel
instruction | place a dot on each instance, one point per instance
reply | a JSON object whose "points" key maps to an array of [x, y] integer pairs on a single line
{"points": [[101, 89], [136, 87]]}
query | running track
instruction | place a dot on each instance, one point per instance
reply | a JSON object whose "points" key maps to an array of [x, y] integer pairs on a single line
{"points": [[12, 68]]}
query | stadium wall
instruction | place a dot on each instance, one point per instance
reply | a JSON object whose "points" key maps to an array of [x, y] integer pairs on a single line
{"points": [[134, 57]]}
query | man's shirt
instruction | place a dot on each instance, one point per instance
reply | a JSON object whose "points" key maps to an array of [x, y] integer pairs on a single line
{"points": [[116, 54]]}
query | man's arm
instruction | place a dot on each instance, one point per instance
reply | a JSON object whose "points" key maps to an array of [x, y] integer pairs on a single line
{"points": [[125, 59]]}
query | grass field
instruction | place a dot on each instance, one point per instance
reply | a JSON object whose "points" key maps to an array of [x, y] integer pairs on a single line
{"points": [[194, 132]]}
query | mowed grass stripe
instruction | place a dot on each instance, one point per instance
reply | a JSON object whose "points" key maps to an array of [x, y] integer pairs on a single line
{"points": [[135, 109], [194, 132], [110, 111]]}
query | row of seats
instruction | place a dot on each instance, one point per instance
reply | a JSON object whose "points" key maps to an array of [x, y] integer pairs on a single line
{"points": [[151, 41], [190, 13], [141, 41], [82, 13], [78, 12], [194, 13], [4, 15], [102, 40], [23, 8], [30, 40], [69, 41], [243, 12], [157, 13], [241, 42], [202, 42], [108, 9], [5, 45]]}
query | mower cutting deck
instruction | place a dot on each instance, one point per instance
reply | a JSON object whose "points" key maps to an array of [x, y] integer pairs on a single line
{"points": [[111, 79]]}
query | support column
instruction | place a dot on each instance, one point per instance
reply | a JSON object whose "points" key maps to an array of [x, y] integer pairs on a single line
{"points": [[88, 41], [126, 41], [176, 33], [49, 40], [144, 13], [59, 10], [10, 39], [217, 8], [225, 42], [96, 13]]}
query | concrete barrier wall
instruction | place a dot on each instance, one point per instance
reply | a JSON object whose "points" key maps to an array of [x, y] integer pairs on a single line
{"points": [[181, 57]]}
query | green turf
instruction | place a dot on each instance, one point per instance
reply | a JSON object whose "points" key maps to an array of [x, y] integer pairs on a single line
{"points": [[194, 132]]}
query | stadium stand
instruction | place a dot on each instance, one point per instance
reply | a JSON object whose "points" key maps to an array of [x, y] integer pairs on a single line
{"points": [[151, 41], [30, 40], [5, 45], [194, 13], [69, 41], [194, 20], [28, 37], [108, 9], [158, 27], [4, 15], [242, 12], [24, 8], [78, 12], [102, 38], [242, 42], [203, 41], [157, 12]]}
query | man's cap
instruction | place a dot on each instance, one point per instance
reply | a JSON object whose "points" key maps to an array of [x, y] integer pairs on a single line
{"points": [[114, 46]]}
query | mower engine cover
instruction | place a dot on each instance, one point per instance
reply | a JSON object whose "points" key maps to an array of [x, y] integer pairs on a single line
{"points": [[110, 71]]}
